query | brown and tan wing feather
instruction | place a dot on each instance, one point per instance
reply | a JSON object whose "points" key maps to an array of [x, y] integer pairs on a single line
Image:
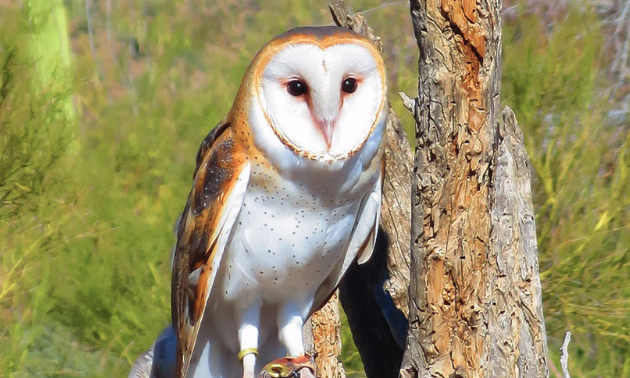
{"points": [[219, 184]]}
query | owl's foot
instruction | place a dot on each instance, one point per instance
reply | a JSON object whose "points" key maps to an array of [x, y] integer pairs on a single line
{"points": [[290, 367]]}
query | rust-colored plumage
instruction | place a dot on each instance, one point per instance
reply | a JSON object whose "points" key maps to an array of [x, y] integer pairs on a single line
{"points": [[219, 163]]}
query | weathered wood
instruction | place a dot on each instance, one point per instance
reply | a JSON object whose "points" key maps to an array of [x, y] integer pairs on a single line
{"points": [[396, 213], [326, 328], [375, 295], [517, 342], [396, 206], [362, 295], [322, 338], [475, 306]]}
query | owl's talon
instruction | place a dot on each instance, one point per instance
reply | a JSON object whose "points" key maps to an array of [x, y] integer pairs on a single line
{"points": [[289, 367]]}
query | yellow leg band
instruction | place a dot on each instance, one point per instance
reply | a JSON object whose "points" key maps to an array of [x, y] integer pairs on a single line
{"points": [[245, 352]]}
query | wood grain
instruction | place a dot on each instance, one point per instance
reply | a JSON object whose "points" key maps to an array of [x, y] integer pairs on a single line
{"points": [[476, 308]]}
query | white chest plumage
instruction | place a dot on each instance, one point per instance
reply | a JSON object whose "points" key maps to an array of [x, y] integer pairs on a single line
{"points": [[290, 235]]}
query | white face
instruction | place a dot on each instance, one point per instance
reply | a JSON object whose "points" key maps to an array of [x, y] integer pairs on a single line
{"points": [[323, 102]]}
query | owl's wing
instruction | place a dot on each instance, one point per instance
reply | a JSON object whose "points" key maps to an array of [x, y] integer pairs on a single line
{"points": [[361, 242], [219, 185]]}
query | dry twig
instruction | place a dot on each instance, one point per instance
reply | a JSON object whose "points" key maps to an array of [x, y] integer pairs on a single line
{"points": [[564, 355]]}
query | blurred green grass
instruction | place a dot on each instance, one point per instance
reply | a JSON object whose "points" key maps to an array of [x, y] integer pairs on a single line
{"points": [[580, 157], [88, 202]]}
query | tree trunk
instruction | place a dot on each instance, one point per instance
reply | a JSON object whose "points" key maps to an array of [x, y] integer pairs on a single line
{"points": [[375, 295], [476, 304], [476, 308], [322, 335]]}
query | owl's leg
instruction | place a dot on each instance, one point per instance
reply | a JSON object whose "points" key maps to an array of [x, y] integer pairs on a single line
{"points": [[290, 324], [248, 338], [297, 364]]}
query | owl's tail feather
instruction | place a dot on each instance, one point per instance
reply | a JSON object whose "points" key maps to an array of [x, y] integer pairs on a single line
{"points": [[212, 359]]}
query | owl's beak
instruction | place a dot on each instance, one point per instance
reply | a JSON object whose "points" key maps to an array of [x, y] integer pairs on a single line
{"points": [[326, 128]]}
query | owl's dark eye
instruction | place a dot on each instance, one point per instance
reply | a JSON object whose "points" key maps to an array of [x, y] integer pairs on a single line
{"points": [[296, 88], [349, 85]]}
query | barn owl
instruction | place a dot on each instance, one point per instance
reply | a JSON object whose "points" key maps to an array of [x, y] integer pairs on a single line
{"points": [[286, 194]]}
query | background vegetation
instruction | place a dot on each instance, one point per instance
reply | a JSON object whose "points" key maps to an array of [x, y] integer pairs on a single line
{"points": [[97, 146]]}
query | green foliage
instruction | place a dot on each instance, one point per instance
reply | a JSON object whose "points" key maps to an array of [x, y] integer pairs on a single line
{"points": [[34, 212], [32, 139], [86, 234], [581, 160], [350, 356]]}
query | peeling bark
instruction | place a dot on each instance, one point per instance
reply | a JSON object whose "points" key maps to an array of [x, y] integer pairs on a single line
{"points": [[396, 205], [375, 295], [476, 307], [517, 344], [396, 213], [322, 338], [326, 328]]}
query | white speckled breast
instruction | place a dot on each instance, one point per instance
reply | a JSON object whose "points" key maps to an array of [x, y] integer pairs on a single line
{"points": [[286, 241], [290, 234]]}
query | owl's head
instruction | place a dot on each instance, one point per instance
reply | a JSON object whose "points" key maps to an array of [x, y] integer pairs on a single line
{"points": [[320, 90]]}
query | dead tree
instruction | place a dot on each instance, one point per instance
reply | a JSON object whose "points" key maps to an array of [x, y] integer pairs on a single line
{"points": [[388, 269], [322, 336], [375, 295], [475, 306]]}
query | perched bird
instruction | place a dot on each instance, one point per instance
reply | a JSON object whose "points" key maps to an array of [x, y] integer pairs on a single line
{"points": [[286, 194]]}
